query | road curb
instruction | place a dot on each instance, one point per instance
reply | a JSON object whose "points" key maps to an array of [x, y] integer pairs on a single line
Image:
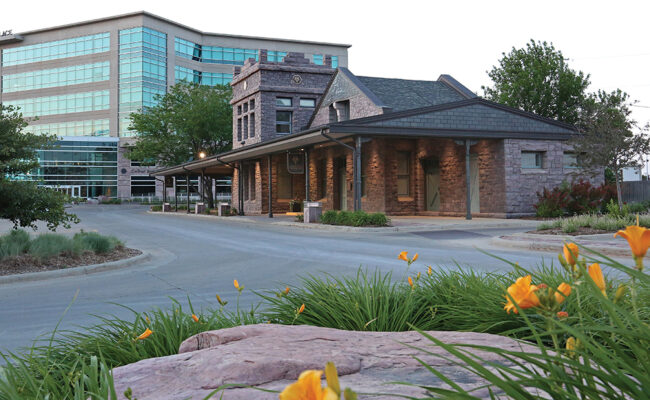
{"points": [[555, 245], [75, 271], [340, 228]]}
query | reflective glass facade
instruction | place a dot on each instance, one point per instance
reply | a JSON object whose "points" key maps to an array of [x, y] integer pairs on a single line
{"points": [[276, 56], [88, 164], [98, 127], [142, 72], [212, 54], [47, 78], [72, 47], [204, 78], [63, 104]]}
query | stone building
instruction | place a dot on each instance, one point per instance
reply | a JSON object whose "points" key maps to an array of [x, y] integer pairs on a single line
{"points": [[404, 147]]}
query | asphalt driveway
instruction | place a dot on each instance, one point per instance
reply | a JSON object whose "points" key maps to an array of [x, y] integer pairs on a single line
{"points": [[200, 257]]}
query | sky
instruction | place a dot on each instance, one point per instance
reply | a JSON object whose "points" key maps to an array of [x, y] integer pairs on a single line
{"points": [[410, 39]]}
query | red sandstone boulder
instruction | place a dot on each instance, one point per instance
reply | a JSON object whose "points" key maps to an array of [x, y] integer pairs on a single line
{"points": [[272, 356]]}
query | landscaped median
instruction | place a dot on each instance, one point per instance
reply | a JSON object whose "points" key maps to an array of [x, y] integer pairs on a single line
{"points": [[585, 335], [22, 256]]}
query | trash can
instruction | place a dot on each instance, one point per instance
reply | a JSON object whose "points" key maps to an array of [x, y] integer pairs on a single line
{"points": [[166, 207], [223, 209], [312, 212], [199, 208]]}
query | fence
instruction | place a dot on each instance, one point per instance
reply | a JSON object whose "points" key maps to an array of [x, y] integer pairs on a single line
{"points": [[636, 191]]}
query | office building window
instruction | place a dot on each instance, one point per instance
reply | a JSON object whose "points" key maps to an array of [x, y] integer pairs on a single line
{"points": [[532, 159], [283, 122], [62, 104], [283, 102], [143, 186], [335, 61], [72, 47], [317, 59], [204, 78], [97, 127], [308, 103], [403, 173], [54, 77], [285, 181], [213, 54], [276, 56]]}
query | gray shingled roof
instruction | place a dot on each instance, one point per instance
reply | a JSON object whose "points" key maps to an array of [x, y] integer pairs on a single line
{"points": [[403, 94]]}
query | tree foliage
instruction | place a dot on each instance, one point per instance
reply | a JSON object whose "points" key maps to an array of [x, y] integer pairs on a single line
{"points": [[22, 201], [610, 137], [188, 119], [537, 79]]}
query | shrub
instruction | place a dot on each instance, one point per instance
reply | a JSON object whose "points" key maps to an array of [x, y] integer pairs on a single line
{"points": [[13, 244], [577, 198], [112, 201], [353, 218], [95, 242], [48, 245], [156, 208]]}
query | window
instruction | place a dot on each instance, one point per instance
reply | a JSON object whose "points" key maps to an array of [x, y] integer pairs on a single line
{"points": [[249, 181], [97, 43], [571, 160], [245, 107], [285, 182], [245, 126], [532, 159], [283, 122], [335, 62], [308, 103], [239, 129], [239, 110], [322, 178], [251, 132], [318, 59], [252, 104], [403, 173], [283, 102], [143, 186]]}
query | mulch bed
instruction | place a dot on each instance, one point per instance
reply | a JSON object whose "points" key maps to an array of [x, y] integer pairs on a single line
{"points": [[27, 263], [580, 231]]}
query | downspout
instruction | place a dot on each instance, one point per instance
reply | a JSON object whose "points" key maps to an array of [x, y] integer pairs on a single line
{"points": [[239, 186], [356, 170]]}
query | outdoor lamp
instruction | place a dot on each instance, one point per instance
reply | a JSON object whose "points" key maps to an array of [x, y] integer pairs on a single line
{"points": [[202, 154]]}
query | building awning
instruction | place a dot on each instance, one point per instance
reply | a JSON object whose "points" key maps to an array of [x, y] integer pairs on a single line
{"points": [[209, 166]]}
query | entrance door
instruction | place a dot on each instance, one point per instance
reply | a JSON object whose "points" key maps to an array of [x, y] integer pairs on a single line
{"points": [[474, 183], [343, 193], [432, 184]]}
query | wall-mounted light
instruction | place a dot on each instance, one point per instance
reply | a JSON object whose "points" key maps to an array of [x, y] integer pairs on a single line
{"points": [[202, 154]]}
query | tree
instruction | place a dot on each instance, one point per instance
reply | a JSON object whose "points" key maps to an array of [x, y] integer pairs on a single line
{"points": [[23, 201], [608, 139], [537, 79], [189, 119]]}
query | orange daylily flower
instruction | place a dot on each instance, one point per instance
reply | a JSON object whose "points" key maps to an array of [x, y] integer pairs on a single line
{"points": [[286, 290], [429, 272], [308, 387], [571, 252], [563, 289], [195, 318], [403, 256], [523, 294], [411, 282], [597, 275], [144, 334], [301, 309], [415, 257], [638, 238], [562, 314], [236, 283]]}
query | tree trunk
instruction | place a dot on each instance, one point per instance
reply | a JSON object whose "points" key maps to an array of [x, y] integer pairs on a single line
{"points": [[619, 197], [207, 185]]}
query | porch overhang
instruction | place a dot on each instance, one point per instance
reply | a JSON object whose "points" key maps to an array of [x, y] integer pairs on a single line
{"points": [[208, 166]]}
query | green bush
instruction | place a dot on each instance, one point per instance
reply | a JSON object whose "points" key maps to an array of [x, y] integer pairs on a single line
{"points": [[353, 218], [638, 208], [13, 244], [156, 208], [48, 245], [95, 242], [112, 201]]}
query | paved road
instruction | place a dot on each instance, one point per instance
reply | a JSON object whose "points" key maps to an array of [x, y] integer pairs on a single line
{"points": [[200, 257]]}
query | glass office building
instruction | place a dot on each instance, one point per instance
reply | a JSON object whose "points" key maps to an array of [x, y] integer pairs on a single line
{"points": [[82, 81]]}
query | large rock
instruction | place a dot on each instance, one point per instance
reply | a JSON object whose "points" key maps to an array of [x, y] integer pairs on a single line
{"points": [[272, 356]]}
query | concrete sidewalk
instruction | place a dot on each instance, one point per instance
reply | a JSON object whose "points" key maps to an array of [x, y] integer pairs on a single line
{"points": [[398, 224], [601, 243]]}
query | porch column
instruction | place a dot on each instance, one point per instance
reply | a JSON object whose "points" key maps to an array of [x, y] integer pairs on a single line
{"points": [[175, 195], [306, 174], [164, 196], [468, 199], [270, 188], [240, 188], [187, 186], [356, 173], [203, 184]]}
